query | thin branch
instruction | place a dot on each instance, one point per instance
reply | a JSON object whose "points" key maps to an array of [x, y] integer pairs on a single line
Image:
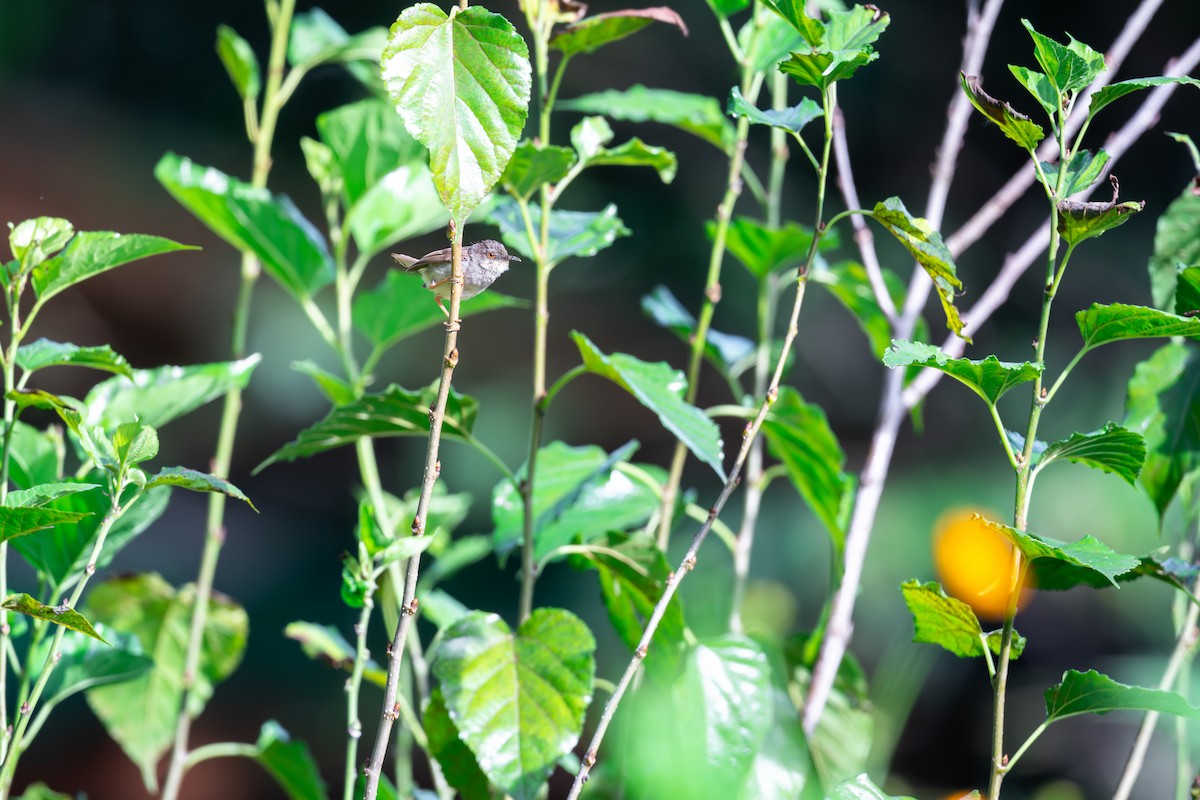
{"points": [[433, 466], [891, 412]]}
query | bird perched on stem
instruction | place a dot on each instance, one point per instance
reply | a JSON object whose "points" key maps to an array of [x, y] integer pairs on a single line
{"points": [[482, 263]]}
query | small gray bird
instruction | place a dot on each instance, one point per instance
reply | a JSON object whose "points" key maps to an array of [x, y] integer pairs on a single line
{"points": [[482, 263]]}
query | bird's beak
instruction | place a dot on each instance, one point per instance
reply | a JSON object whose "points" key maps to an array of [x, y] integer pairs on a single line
{"points": [[511, 257]]}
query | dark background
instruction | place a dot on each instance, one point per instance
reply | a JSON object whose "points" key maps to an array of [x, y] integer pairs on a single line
{"points": [[93, 93]]}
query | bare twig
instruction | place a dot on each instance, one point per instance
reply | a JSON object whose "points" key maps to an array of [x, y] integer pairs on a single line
{"points": [[408, 604], [891, 412]]}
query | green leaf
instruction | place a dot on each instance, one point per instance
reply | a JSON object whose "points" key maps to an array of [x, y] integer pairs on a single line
{"points": [[990, 378], [237, 56], [335, 389], [461, 84], [1093, 693], [317, 39], [37, 456], [385, 174], [659, 388], [16, 522], [39, 398], [927, 247], [1176, 242], [534, 165], [63, 552], [1115, 91], [91, 253], [87, 662], [1083, 170], [322, 166], [157, 396], [1012, 123], [62, 615], [726, 8], [950, 623], [290, 764], [1041, 87], [325, 643], [399, 307], [1187, 292], [726, 351], [141, 714], [633, 572], [861, 788], [1113, 449], [252, 220], [698, 115], [1163, 404], [518, 699], [572, 233], [767, 40], [792, 119], [796, 13], [844, 44], [1085, 561], [462, 552], [35, 240], [392, 412], [44, 493], [798, 434], [40, 791], [591, 33], [763, 250], [45, 353], [196, 481], [579, 495], [1118, 322], [1069, 67], [591, 137], [848, 282], [135, 443], [446, 745], [1078, 220]]}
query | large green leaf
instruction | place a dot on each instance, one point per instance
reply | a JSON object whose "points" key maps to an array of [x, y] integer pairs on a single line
{"points": [[1176, 243], [838, 47], [1093, 693], [633, 572], [696, 114], [950, 623], [861, 788], [1102, 324], [660, 388], [592, 136], [572, 233], [534, 165], [18, 521], [763, 250], [384, 174], [290, 764], [252, 220], [400, 307], [591, 33], [990, 378], [44, 493], [798, 434], [93, 252], [578, 494], [59, 615], [927, 247], [1113, 449], [157, 396], [45, 353], [87, 661], [1041, 87], [36, 456], [518, 699], [140, 714], [1085, 561], [455, 758], [1012, 123], [461, 84], [1083, 170], [393, 412], [727, 352], [1163, 404], [64, 551]]}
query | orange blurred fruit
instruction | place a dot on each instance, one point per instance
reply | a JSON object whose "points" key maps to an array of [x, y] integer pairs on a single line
{"points": [[975, 563]]}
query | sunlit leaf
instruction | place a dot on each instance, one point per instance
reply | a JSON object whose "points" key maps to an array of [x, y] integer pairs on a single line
{"points": [[18, 521], [1041, 87], [792, 119], [45, 353], [591, 33], [62, 615], [1083, 170], [660, 388], [696, 114], [1012, 123], [518, 699], [1085, 561], [1093, 693], [461, 84], [237, 56], [196, 481], [158, 396], [1176, 243], [93, 252], [34, 240], [839, 46], [861, 788], [1115, 91], [446, 745], [592, 136], [990, 378], [1113, 449], [534, 165], [950, 623], [1102, 324], [763, 250], [1069, 67]]}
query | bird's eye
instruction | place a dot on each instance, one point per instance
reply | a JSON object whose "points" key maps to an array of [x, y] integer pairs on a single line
{"points": [[491, 253]]}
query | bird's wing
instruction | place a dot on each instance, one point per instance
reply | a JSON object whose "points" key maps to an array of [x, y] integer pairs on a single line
{"points": [[405, 261]]}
